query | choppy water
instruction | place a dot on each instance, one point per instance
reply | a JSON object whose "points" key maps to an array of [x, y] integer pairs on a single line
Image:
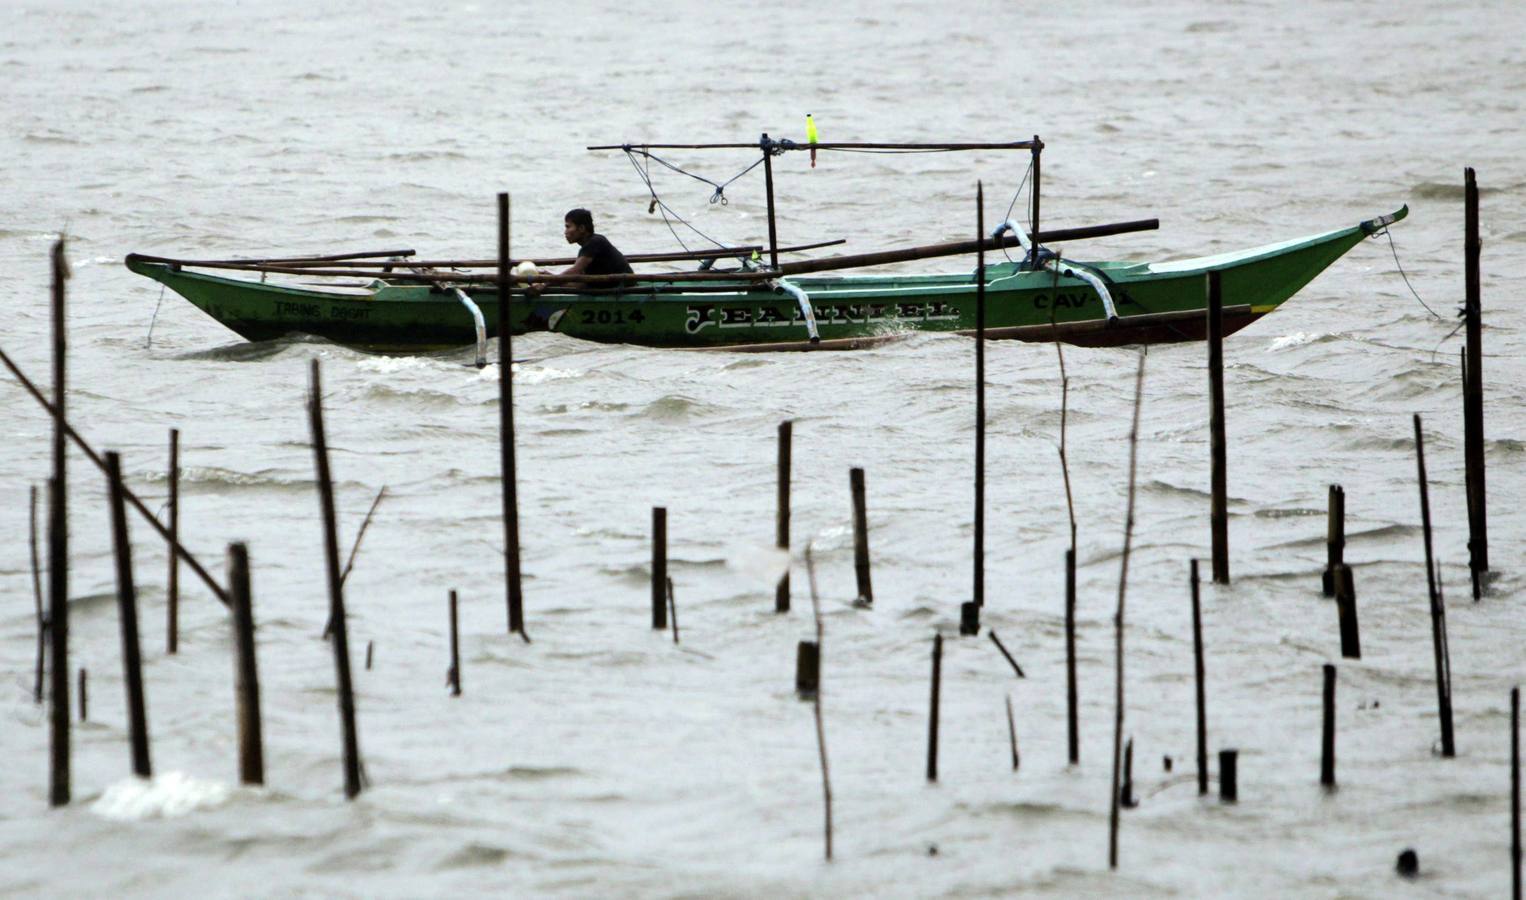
{"points": [[602, 759]]}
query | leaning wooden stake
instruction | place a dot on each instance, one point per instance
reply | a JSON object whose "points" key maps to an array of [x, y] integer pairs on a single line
{"points": [[860, 537], [932, 721], [127, 612], [672, 609], [979, 588], [1003, 648], [506, 430], [659, 567], [246, 685], [172, 582], [1123, 582], [1012, 734], [1219, 479], [821, 732], [341, 635], [1345, 606], [1438, 608], [1327, 741], [781, 520], [58, 555], [1473, 398], [1197, 666]]}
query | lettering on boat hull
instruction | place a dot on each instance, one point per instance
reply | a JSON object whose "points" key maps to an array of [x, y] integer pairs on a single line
{"points": [[705, 315]]}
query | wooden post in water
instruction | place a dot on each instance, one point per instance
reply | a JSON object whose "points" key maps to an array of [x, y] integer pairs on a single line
{"points": [[1126, 798], [1515, 792], [341, 635], [58, 555], [1073, 728], [453, 675], [781, 520], [84, 696], [979, 589], [172, 582], [1012, 734], [932, 720], [1202, 713], [1219, 479], [1229, 789], [807, 668], [514, 587], [1345, 607], [860, 537], [42, 619], [672, 609], [127, 612], [1438, 608], [1473, 395], [1016, 669], [1335, 537], [246, 685], [969, 618], [659, 567], [1327, 742]]}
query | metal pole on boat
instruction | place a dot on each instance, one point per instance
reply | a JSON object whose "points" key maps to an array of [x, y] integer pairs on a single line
{"points": [[768, 182], [781, 524], [506, 429], [980, 400], [1219, 516], [58, 555]]}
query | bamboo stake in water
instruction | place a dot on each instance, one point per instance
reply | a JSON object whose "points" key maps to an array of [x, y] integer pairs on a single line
{"points": [[672, 609], [1202, 713], [821, 732], [58, 554], [1003, 648], [781, 523], [251, 740], [1335, 537], [84, 696], [172, 582], [42, 620], [1118, 621], [1438, 610], [1473, 399], [1012, 734], [659, 567], [506, 430], [127, 611], [453, 677], [1515, 792], [860, 537], [980, 401], [1219, 479], [1073, 726], [341, 635], [1327, 742], [932, 721]]}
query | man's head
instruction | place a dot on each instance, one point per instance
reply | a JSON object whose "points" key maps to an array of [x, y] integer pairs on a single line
{"points": [[577, 225]]}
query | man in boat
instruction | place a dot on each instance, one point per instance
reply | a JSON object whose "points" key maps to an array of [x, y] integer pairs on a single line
{"points": [[596, 255]]}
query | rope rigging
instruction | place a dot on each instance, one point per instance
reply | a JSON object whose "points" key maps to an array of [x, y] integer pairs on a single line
{"points": [[718, 196]]}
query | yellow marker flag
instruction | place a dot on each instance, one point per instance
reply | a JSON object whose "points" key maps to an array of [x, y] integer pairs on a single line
{"points": [[810, 136]]}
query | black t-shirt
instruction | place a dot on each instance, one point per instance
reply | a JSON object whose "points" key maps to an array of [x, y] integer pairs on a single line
{"points": [[604, 258]]}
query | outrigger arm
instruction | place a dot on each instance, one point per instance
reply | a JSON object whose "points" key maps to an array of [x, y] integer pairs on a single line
{"points": [[1054, 264]]}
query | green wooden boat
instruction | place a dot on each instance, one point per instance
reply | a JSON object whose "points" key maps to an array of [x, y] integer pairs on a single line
{"points": [[409, 309]]}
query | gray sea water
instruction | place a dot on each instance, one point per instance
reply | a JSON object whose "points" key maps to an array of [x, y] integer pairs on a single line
{"points": [[603, 760]]}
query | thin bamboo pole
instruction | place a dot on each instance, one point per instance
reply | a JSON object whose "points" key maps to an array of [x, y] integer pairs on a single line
{"points": [[1438, 609], [506, 442], [246, 686], [1202, 712], [1118, 621], [172, 582], [127, 612], [782, 516], [58, 550], [979, 587], [1219, 479]]}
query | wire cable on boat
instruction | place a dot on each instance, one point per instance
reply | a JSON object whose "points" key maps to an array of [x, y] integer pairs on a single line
{"points": [[1013, 205], [718, 196], [1385, 232]]}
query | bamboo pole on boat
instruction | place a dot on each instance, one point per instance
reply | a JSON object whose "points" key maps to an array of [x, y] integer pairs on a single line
{"points": [[58, 549], [768, 182], [127, 494], [341, 639], [172, 582], [1473, 398], [1219, 516], [781, 521], [246, 686], [127, 615], [832, 145], [979, 586], [1118, 620], [513, 586], [1438, 608]]}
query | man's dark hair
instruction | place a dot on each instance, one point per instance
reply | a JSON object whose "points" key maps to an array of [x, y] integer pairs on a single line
{"points": [[581, 217]]}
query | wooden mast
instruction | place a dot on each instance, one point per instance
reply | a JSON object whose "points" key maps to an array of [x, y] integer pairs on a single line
{"points": [[768, 181]]}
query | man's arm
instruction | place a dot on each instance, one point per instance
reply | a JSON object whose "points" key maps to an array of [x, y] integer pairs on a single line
{"points": [[578, 267]]}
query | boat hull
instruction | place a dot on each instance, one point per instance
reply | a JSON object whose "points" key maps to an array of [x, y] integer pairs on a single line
{"points": [[1155, 302]]}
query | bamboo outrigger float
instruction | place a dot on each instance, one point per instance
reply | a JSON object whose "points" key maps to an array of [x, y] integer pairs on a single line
{"points": [[388, 301]]}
